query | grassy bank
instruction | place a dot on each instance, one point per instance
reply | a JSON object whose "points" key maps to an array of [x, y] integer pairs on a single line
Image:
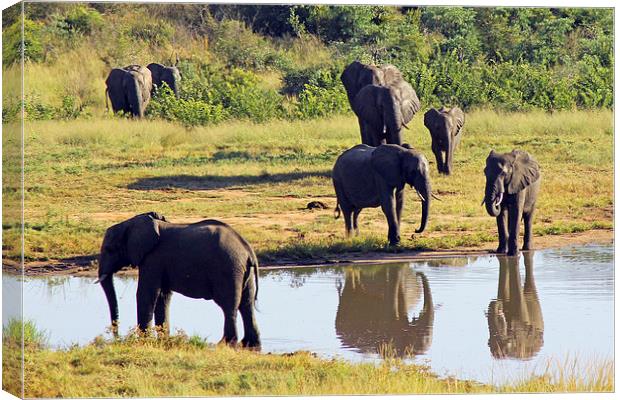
{"points": [[82, 176], [186, 366]]}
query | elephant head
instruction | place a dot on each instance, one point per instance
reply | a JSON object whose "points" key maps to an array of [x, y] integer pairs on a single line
{"points": [[445, 127], [374, 308], [507, 173], [169, 75], [357, 75], [126, 243], [515, 318], [400, 165]]}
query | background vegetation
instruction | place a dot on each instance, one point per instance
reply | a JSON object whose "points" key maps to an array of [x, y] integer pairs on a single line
{"points": [[283, 62]]}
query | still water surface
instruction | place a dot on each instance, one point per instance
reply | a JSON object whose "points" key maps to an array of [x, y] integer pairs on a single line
{"points": [[484, 318]]}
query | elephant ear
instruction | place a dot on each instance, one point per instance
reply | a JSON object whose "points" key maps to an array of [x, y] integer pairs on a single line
{"points": [[386, 161], [142, 236], [409, 101], [525, 171], [458, 119], [365, 104]]}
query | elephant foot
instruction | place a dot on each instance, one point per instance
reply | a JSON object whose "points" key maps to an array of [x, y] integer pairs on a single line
{"points": [[252, 343], [228, 342], [512, 252], [501, 250], [526, 247]]}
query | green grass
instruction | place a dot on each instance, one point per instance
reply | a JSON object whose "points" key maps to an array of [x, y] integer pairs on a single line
{"points": [[178, 365], [82, 176]]}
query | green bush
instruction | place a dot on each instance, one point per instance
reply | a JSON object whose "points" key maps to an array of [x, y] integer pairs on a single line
{"points": [[32, 43], [79, 19], [188, 111], [315, 102], [294, 81], [153, 32]]}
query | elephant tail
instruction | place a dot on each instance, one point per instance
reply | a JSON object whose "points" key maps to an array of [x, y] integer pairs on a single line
{"points": [[337, 211], [253, 264]]}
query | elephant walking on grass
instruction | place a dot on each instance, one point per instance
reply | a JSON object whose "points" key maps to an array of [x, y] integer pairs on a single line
{"points": [[205, 260], [168, 75], [512, 186], [129, 89], [515, 318], [382, 100], [445, 126], [366, 176]]}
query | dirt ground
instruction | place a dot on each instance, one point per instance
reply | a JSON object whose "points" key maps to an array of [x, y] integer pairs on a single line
{"points": [[85, 266]]}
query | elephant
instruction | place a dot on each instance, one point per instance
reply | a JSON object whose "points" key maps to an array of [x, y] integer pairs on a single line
{"points": [[129, 89], [445, 126], [516, 326], [373, 310], [204, 260], [382, 100], [512, 186], [366, 176], [169, 75]]}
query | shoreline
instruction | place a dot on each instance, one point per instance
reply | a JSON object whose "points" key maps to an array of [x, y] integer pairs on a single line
{"points": [[82, 266]]}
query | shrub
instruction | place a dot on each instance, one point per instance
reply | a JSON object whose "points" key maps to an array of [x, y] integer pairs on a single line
{"points": [[32, 43], [188, 111], [294, 81], [315, 102], [153, 32], [79, 19]]}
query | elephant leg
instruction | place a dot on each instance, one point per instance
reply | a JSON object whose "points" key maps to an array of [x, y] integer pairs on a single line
{"points": [[229, 301], [527, 226], [438, 157], [502, 231], [356, 214], [146, 296], [347, 212], [514, 217], [449, 156], [389, 209], [246, 308], [162, 314], [366, 132], [400, 201]]}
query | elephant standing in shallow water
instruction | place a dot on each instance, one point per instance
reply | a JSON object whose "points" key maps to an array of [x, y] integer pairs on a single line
{"points": [[205, 260], [367, 176], [512, 186], [382, 100], [515, 318], [374, 306], [445, 126]]}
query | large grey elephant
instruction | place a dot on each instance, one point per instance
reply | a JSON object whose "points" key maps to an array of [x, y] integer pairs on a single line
{"points": [[374, 305], [366, 176], [129, 89], [515, 318], [169, 75], [512, 186], [445, 126], [382, 100], [204, 260]]}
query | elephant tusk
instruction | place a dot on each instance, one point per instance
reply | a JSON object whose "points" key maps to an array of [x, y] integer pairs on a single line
{"points": [[101, 278], [482, 202], [435, 197], [405, 126], [420, 196]]}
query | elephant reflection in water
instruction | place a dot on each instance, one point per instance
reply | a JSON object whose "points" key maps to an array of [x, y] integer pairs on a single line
{"points": [[373, 308], [515, 318]]}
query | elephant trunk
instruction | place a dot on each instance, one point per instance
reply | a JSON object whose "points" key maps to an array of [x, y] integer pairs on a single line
{"points": [[425, 191], [107, 284], [134, 97], [428, 307], [492, 199], [392, 119]]}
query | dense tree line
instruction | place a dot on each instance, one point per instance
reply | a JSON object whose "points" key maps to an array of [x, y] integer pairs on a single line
{"points": [[510, 58]]}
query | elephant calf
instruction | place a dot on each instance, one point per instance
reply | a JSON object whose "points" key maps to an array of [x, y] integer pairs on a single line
{"points": [[445, 126], [512, 185], [205, 260], [366, 176]]}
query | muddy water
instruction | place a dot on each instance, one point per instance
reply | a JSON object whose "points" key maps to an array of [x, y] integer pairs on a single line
{"points": [[490, 319]]}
